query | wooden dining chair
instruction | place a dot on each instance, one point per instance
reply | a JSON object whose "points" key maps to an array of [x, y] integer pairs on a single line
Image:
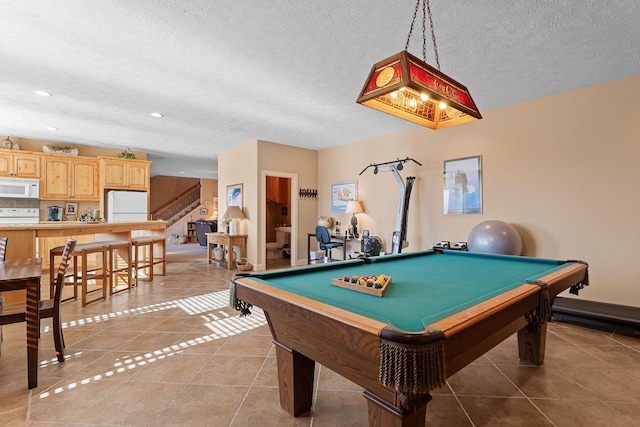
{"points": [[3, 251], [50, 308]]}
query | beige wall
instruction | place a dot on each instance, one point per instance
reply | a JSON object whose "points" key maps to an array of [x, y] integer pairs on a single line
{"points": [[301, 165], [247, 164], [562, 169], [209, 196], [240, 166]]}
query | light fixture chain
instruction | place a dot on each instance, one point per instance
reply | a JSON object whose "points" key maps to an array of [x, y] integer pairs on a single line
{"points": [[424, 36], [413, 21], [425, 3], [433, 35]]}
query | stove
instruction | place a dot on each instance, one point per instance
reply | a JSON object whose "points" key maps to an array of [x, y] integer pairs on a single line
{"points": [[10, 216]]}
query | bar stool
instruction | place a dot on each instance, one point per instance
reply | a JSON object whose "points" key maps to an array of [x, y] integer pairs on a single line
{"points": [[120, 265], [150, 256], [81, 278]]}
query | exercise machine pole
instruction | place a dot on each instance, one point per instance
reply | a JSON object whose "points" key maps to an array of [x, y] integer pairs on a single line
{"points": [[400, 234]]}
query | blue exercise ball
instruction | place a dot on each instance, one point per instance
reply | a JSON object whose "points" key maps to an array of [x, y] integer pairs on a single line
{"points": [[495, 237]]}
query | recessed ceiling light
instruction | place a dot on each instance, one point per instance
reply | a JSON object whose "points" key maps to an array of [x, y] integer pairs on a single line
{"points": [[181, 171], [157, 114], [51, 128], [43, 93]]}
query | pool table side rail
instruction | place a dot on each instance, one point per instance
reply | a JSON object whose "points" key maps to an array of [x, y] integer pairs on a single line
{"points": [[345, 342], [558, 281], [259, 289], [473, 332]]}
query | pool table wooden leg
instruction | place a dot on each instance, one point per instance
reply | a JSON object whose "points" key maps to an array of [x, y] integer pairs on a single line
{"points": [[295, 380], [384, 414], [532, 340]]}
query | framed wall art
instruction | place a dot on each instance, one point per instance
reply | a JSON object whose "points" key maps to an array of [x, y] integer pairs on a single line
{"points": [[341, 193], [462, 186], [234, 195], [71, 208]]}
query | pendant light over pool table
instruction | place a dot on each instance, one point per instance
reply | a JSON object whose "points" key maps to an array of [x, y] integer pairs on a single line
{"points": [[407, 87]]}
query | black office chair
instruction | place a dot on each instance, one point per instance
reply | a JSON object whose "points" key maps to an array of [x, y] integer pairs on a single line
{"points": [[324, 241]]}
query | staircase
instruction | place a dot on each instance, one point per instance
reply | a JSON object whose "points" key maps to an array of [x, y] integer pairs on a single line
{"points": [[175, 210]]}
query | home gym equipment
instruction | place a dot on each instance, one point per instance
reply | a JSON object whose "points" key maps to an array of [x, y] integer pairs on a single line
{"points": [[495, 237], [400, 234]]}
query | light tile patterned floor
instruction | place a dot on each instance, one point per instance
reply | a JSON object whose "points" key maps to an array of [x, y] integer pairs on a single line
{"points": [[171, 353]]}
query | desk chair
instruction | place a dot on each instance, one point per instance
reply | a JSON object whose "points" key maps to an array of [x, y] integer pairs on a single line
{"points": [[324, 241], [50, 308]]}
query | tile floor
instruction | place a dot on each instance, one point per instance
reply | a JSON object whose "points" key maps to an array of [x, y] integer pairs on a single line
{"points": [[171, 353]]}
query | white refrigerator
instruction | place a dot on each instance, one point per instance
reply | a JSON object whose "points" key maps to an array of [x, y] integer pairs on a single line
{"points": [[126, 206]]}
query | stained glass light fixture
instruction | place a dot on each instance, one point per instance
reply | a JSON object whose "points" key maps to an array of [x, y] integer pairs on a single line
{"points": [[407, 87]]}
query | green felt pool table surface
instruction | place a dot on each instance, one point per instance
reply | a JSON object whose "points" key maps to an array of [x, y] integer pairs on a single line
{"points": [[425, 288], [441, 311]]}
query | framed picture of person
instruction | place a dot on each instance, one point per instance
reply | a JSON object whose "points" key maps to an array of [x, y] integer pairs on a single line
{"points": [[71, 208], [462, 192]]}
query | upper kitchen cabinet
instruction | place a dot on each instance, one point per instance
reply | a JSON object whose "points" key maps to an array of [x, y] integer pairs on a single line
{"points": [[69, 178], [19, 165], [124, 173]]}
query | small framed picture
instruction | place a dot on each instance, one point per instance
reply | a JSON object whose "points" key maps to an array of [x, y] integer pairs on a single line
{"points": [[341, 193], [70, 208], [204, 211], [234, 195]]}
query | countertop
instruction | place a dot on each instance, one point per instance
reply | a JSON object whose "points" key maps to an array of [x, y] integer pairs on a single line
{"points": [[87, 227]]}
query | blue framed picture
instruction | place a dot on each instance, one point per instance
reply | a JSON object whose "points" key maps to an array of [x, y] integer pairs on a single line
{"points": [[341, 193], [234, 195]]}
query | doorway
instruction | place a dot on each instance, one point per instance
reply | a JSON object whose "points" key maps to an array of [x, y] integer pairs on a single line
{"points": [[280, 210]]}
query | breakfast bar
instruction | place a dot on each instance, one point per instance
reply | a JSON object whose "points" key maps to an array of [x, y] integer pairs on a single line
{"points": [[35, 240]]}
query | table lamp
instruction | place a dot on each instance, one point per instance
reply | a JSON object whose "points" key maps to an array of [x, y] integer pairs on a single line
{"points": [[354, 207], [233, 213]]}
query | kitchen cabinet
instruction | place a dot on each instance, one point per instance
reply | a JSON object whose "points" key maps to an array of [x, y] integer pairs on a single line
{"points": [[277, 189], [124, 174], [20, 165], [69, 178]]}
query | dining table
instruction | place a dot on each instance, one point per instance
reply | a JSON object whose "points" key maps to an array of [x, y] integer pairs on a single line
{"points": [[24, 274]]}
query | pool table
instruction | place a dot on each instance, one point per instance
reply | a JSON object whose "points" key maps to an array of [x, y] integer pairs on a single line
{"points": [[441, 311]]}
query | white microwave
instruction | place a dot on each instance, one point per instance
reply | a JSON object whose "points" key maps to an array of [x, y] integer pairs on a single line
{"points": [[19, 188]]}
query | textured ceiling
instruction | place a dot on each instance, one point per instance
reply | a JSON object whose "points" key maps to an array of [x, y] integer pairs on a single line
{"points": [[224, 72]]}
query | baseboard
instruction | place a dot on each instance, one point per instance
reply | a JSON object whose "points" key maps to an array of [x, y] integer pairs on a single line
{"points": [[620, 319]]}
